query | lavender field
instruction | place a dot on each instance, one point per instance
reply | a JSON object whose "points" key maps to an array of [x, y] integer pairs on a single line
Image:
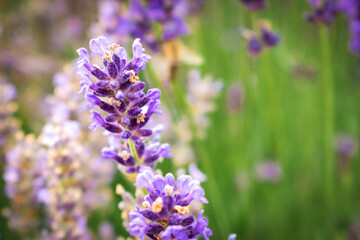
{"points": [[179, 119]]}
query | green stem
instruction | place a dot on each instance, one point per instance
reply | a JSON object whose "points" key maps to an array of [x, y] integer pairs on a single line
{"points": [[133, 152], [328, 118]]}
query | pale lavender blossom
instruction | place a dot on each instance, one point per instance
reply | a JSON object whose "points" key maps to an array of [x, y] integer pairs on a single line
{"points": [[8, 124], [268, 171], [22, 177]]}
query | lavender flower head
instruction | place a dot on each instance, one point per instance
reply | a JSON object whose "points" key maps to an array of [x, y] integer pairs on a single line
{"points": [[22, 181], [155, 21], [254, 5], [165, 212], [119, 93], [323, 12]]}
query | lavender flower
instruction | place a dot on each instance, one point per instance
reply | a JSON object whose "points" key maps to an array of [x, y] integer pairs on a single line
{"points": [[232, 236], [235, 98], [254, 5], [74, 176], [257, 42], [201, 95], [22, 181], [346, 148], [352, 10], [155, 21], [106, 231], [268, 171], [119, 93], [254, 46], [8, 125], [165, 211], [323, 12]]}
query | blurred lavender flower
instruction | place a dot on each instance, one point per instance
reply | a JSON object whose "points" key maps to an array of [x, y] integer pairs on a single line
{"points": [[75, 177], [346, 148], [257, 42], [254, 46], [323, 12], [232, 236], [254, 5], [106, 231], [22, 177], [352, 10], [8, 125], [119, 93], [165, 211], [268, 171], [201, 95], [154, 22], [235, 98]]}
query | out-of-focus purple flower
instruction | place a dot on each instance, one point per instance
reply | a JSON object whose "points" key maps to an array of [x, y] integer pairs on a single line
{"points": [[235, 98], [165, 209], [323, 12], [196, 6], [232, 236], [256, 42], [196, 174], [352, 10], [346, 148], [22, 177], [202, 91], [254, 46], [106, 231], [75, 177], [154, 22], [269, 38], [355, 36], [254, 5], [268, 171], [8, 124]]}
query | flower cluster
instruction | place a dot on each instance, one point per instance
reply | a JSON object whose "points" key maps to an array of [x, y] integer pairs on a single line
{"points": [[75, 177], [119, 93], [165, 211], [22, 182], [8, 125], [257, 42], [155, 21], [254, 5], [323, 12]]}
